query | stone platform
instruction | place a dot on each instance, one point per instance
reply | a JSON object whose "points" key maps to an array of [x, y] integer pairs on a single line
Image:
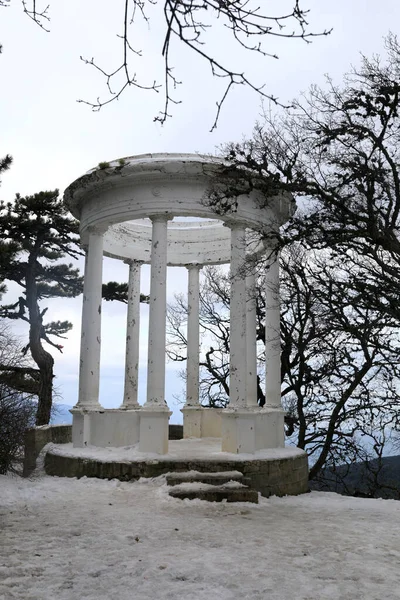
{"points": [[277, 471]]}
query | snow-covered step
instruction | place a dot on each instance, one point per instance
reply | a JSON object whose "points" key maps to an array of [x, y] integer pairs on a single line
{"points": [[218, 478], [231, 492]]}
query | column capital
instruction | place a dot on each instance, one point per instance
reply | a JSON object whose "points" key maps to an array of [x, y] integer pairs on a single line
{"points": [[194, 266], [235, 224], [161, 218], [133, 262], [98, 229]]}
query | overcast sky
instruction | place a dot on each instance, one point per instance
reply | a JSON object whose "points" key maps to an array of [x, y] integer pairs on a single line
{"points": [[53, 139]]}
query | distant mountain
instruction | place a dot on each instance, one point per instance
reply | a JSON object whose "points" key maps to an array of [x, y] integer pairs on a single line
{"points": [[370, 481], [60, 414]]}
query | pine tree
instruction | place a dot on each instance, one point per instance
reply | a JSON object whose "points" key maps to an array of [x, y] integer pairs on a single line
{"points": [[36, 234]]}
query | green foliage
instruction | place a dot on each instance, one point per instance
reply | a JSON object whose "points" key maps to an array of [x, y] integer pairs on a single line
{"points": [[115, 291], [36, 234], [104, 165], [119, 291], [5, 163]]}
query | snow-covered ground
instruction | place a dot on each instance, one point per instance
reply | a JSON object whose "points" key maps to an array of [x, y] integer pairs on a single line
{"points": [[186, 449], [68, 539]]}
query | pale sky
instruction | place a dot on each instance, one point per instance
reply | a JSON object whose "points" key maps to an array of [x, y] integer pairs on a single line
{"points": [[53, 139]]}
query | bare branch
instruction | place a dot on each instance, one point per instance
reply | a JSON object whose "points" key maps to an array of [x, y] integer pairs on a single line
{"points": [[186, 22], [39, 16]]}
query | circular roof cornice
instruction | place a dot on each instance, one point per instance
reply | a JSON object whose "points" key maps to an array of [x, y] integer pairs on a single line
{"points": [[117, 196]]}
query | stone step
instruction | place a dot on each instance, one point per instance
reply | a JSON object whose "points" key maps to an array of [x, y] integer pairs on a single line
{"points": [[218, 478], [231, 492]]}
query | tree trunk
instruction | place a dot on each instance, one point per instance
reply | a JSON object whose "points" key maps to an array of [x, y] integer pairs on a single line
{"points": [[43, 359], [45, 397], [320, 462]]}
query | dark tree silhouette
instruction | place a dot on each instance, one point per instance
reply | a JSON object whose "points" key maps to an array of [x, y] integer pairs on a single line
{"points": [[338, 150], [339, 362], [36, 233]]}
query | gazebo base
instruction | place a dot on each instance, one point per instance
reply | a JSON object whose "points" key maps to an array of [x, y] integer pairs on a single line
{"points": [[242, 431], [276, 471]]}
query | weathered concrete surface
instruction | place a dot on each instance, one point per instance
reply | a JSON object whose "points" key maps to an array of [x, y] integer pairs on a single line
{"points": [[114, 204], [279, 477], [89, 365], [218, 478], [131, 384], [213, 487], [113, 428], [216, 494], [38, 437], [154, 184]]}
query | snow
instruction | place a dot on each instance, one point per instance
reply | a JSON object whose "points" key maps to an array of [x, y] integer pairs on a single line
{"points": [[196, 475], [189, 486], [187, 449], [90, 539]]}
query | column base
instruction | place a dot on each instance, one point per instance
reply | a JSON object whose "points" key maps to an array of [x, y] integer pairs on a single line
{"points": [[192, 421], [250, 429], [201, 422], [238, 431], [80, 428], [81, 406], [105, 428], [153, 430], [270, 428], [211, 422]]}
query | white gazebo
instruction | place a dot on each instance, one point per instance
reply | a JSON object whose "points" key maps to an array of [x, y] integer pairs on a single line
{"points": [[126, 210]]}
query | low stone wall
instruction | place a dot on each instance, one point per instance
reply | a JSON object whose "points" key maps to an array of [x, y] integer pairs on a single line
{"points": [[38, 437], [175, 432], [283, 477], [280, 477]]}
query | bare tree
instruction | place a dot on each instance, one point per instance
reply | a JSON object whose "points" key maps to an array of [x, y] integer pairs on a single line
{"points": [[339, 367], [214, 326], [337, 150], [16, 370], [368, 472], [17, 409], [188, 22], [17, 414], [340, 359]]}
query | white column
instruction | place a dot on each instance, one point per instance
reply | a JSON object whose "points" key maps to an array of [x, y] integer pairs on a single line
{"points": [[251, 338], [157, 314], [272, 334], [193, 337], [89, 374], [132, 337], [238, 370]]}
